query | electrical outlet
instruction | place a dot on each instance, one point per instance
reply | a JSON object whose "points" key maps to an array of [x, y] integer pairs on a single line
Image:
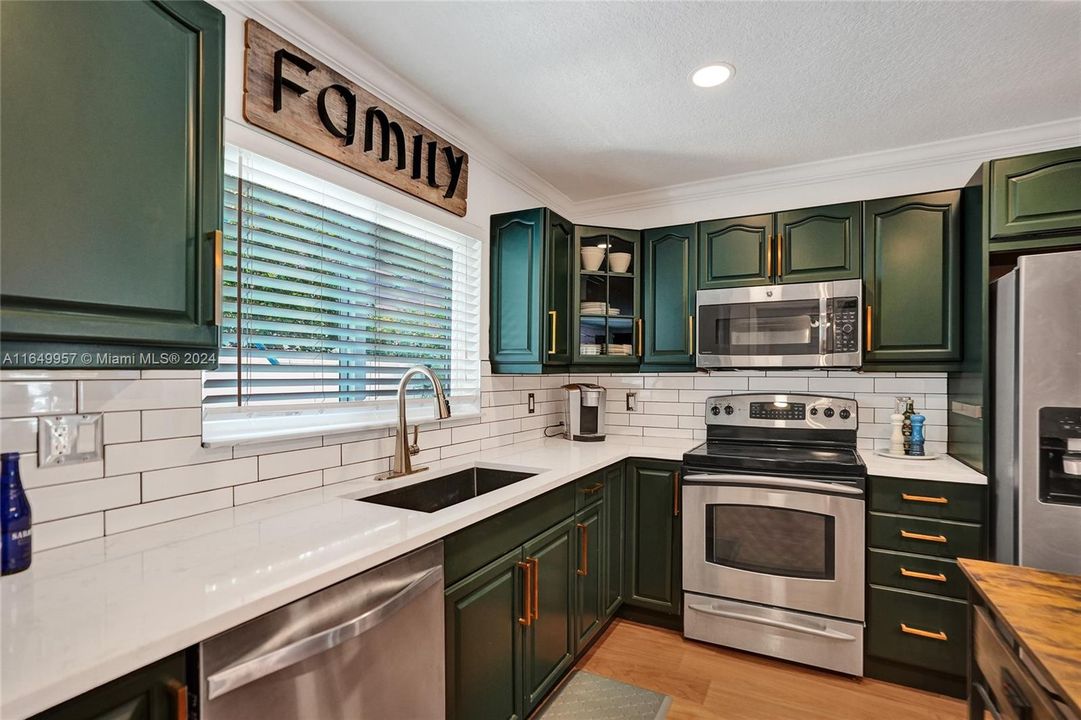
{"points": [[67, 439], [632, 402], [531, 404]]}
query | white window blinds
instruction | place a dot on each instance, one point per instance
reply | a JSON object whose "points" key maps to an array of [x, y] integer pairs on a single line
{"points": [[328, 298]]}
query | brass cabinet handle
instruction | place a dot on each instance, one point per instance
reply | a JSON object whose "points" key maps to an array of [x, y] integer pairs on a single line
{"points": [[527, 594], [920, 536], [675, 494], [536, 587], [769, 256], [924, 633], [641, 340], [552, 349], [780, 255], [690, 334], [924, 499], [596, 487], [867, 330], [583, 563], [179, 691], [219, 301], [937, 577]]}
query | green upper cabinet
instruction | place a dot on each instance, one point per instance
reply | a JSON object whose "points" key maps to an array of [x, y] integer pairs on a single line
{"points": [[654, 556], [669, 283], [111, 177], [606, 328], [911, 272], [530, 291], [735, 252], [1036, 195], [817, 244]]}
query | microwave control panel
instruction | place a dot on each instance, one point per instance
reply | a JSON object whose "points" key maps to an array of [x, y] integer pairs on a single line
{"points": [[846, 318]]}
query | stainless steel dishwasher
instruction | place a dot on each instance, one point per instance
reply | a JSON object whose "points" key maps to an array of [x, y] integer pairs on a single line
{"points": [[369, 647]]}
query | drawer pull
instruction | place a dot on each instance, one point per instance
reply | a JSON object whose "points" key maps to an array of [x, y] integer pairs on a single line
{"points": [[937, 577], [920, 536], [925, 499], [536, 586], [596, 487], [923, 633], [583, 539]]}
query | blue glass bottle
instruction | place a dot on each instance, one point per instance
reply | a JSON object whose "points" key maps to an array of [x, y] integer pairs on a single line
{"points": [[14, 516], [916, 447]]}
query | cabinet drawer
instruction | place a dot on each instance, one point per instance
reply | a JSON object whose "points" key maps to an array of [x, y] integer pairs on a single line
{"points": [[925, 537], [1015, 692], [588, 489], [936, 576], [1036, 194], [916, 629], [926, 498]]}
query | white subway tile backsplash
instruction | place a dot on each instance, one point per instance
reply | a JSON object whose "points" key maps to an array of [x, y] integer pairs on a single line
{"points": [[341, 473], [264, 489], [19, 435], [161, 484], [462, 448], [19, 399], [152, 513], [278, 446], [159, 454], [831, 385], [771, 384], [111, 395], [60, 501], [70, 530], [35, 477], [730, 382], [298, 461], [371, 449], [122, 427], [160, 424], [904, 385]]}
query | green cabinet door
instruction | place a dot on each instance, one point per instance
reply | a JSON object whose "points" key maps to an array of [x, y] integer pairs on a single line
{"points": [[484, 641], [669, 283], [548, 644], [111, 182], [155, 692], [589, 573], [557, 278], [653, 536], [608, 337], [1035, 195], [818, 244], [613, 550], [736, 252], [517, 261], [911, 273]]}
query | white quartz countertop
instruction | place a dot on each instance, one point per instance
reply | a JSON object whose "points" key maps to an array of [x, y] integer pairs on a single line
{"points": [[88, 613], [85, 614], [942, 469]]}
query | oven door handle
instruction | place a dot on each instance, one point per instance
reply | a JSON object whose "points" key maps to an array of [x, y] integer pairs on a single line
{"points": [[831, 634], [794, 483]]}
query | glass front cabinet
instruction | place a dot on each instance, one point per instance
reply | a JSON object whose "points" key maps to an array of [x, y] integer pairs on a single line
{"points": [[607, 325]]}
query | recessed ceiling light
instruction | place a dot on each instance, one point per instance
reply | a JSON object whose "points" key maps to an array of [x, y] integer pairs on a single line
{"points": [[712, 75]]}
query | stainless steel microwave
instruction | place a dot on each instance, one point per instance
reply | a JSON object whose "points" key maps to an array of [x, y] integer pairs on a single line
{"points": [[803, 325]]}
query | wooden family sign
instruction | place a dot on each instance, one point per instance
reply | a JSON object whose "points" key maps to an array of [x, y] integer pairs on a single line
{"points": [[291, 94]]}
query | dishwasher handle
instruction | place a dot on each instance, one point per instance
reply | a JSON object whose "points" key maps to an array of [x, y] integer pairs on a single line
{"points": [[249, 671]]}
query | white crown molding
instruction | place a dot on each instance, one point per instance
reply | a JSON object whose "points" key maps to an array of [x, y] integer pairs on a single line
{"points": [[294, 21], [973, 148]]}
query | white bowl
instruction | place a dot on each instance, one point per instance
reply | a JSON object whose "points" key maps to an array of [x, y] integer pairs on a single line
{"points": [[592, 258], [619, 262]]}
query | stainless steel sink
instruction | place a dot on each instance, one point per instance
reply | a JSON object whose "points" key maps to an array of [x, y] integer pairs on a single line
{"points": [[447, 490]]}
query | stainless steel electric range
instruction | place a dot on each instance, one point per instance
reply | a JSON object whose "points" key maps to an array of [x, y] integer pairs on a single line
{"points": [[773, 530]]}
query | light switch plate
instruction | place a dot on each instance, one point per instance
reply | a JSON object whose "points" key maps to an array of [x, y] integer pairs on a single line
{"points": [[68, 439]]}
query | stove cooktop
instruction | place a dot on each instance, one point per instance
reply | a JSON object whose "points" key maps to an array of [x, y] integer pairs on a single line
{"points": [[790, 460]]}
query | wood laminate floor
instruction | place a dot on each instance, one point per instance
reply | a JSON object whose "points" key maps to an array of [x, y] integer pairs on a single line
{"points": [[705, 681]]}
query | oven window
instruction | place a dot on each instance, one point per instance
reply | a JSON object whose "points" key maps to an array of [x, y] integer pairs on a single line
{"points": [[788, 327], [769, 540]]}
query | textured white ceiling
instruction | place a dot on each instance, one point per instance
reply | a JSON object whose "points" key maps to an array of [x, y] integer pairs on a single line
{"points": [[595, 97]]}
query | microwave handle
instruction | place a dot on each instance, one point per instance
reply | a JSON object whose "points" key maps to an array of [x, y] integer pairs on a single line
{"points": [[825, 330]]}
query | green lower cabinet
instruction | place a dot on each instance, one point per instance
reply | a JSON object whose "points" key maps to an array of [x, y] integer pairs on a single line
{"points": [[654, 572], [484, 642], [923, 536], [818, 244], [614, 553], [548, 640], [918, 630], [668, 303], [1036, 200], [155, 692], [589, 573], [912, 281]]}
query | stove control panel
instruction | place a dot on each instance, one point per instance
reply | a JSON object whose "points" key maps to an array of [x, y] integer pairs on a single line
{"points": [[808, 412]]}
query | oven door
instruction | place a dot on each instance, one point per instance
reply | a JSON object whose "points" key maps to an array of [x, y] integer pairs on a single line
{"points": [[793, 547]]}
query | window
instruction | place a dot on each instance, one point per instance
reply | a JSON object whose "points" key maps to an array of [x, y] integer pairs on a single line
{"points": [[328, 298]]}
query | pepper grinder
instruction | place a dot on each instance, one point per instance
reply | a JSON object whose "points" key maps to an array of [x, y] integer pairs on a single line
{"points": [[897, 437], [916, 441]]}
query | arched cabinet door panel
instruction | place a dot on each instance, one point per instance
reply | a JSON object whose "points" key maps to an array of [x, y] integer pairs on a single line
{"points": [[1036, 194]]}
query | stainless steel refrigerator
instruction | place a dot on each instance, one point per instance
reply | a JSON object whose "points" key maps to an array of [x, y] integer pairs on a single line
{"points": [[1037, 432]]}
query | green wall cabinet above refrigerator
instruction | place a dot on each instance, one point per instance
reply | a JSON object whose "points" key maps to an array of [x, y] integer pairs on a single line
{"points": [[1036, 200], [912, 276], [806, 245], [669, 282], [111, 181], [530, 270]]}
